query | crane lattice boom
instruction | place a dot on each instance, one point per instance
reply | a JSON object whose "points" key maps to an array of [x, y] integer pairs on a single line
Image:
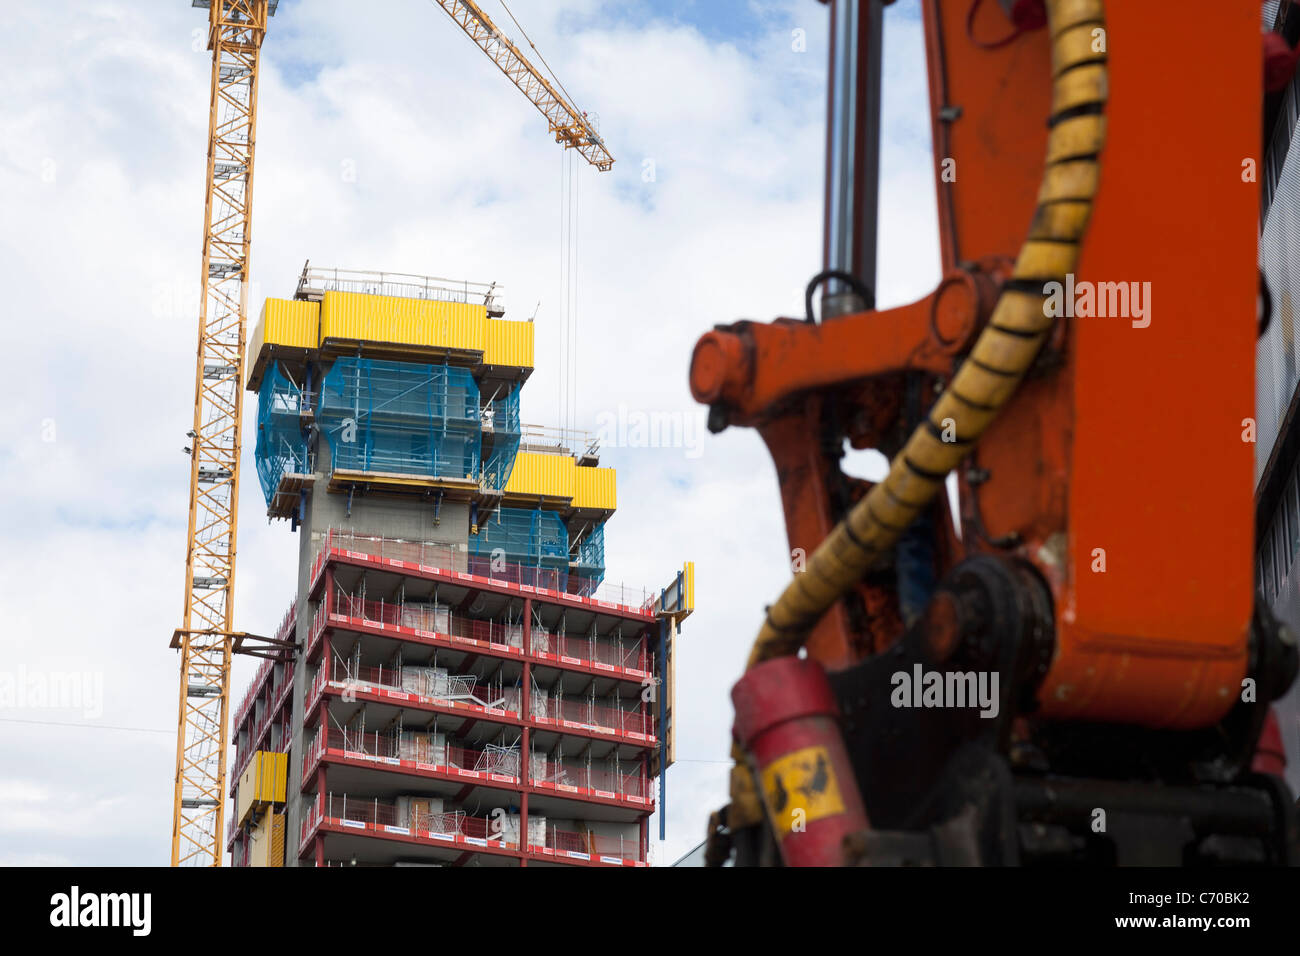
{"points": [[571, 127]]}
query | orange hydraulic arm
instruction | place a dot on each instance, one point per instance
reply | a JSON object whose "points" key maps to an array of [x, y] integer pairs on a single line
{"points": [[1100, 281], [570, 126]]}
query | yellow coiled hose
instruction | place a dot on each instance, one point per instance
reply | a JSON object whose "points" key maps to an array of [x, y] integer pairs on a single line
{"points": [[986, 380]]}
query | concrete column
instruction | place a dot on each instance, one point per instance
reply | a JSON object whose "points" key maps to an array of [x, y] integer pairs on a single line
{"points": [[525, 753]]}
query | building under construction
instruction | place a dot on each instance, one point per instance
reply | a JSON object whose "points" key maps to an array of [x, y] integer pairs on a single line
{"points": [[466, 688]]}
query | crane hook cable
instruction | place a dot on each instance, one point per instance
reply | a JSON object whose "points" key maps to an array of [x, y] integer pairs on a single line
{"points": [[987, 379]]}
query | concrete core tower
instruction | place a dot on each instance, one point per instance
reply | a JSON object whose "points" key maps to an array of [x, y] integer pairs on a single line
{"points": [[465, 690]]}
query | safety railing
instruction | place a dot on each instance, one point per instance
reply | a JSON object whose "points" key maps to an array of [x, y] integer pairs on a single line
{"points": [[631, 654], [385, 815], [440, 755], [563, 775], [437, 620], [278, 461], [245, 753], [313, 752], [311, 818], [552, 439], [498, 571], [444, 687], [316, 280], [277, 689], [317, 685], [377, 812], [282, 633], [434, 751], [595, 714], [555, 579], [421, 683], [275, 696], [251, 691], [594, 845], [614, 652], [319, 619], [319, 560]]}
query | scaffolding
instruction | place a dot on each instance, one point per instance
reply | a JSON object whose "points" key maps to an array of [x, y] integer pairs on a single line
{"points": [[553, 440], [401, 418], [588, 570], [528, 537], [281, 448], [316, 281], [501, 435]]}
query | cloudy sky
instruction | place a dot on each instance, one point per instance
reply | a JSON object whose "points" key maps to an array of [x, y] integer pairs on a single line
{"points": [[388, 141]]}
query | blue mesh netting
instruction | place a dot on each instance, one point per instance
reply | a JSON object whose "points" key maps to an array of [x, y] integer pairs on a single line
{"points": [[530, 537], [590, 568], [401, 417], [591, 549], [280, 443], [501, 439]]}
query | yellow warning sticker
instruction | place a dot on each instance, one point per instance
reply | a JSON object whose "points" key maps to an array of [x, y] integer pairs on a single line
{"points": [[800, 788]]}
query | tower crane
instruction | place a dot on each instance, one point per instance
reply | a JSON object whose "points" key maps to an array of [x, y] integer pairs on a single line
{"points": [[206, 639]]}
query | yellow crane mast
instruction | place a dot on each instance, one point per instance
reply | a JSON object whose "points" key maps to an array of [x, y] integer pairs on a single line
{"points": [[571, 127], [205, 639]]}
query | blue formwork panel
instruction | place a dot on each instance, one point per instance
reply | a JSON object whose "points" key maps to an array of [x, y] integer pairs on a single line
{"points": [[590, 567], [281, 446], [401, 418], [591, 549], [501, 434]]}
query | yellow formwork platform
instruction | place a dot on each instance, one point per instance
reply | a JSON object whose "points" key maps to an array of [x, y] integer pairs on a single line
{"points": [[389, 326], [595, 489], [266, 843], [509, 343], [558, 481], [286, 328], [391, 320], [539, 475], [263, 782], [278, 826]]}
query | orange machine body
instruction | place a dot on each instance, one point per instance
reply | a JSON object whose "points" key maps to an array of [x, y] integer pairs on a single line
{"points": [[1134, 449], [1122, 467]]}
